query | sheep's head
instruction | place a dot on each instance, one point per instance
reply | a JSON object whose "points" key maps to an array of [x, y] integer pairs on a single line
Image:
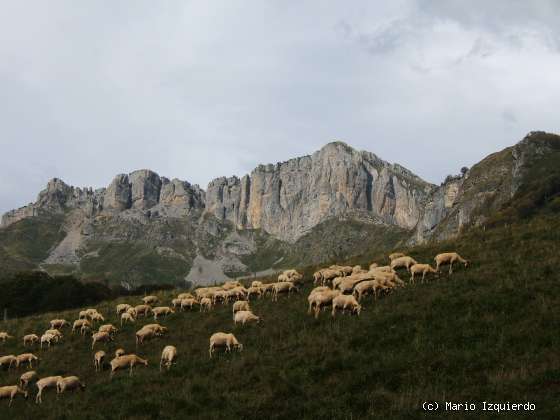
{"points": [[466, 263], [239, 346]]}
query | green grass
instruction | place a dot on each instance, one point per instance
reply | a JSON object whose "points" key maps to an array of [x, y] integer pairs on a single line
{"points": [[487, 333]]}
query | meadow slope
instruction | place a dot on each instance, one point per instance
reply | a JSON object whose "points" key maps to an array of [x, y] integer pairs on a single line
{"points": [[487, 333]]}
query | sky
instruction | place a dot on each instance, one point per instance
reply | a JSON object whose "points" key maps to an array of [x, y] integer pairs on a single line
{"points": [[196, 90]]}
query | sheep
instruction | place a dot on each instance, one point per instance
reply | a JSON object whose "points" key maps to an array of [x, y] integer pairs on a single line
{"points": [[142, 310], [321, 299], [4, 336], [30, 339], [283, 287], [346, 270], [346, 302], [320, 289], [96, 317], [100, 337], [227, 340], [241, 305], [69, 383], [98, 359], [11, 391], [156, 328], [396, 255], [150, 300], [26, 357], [162, 310], [108, 328], [357, 269], [318, 277], [132, 311], [231, 285], [45, 383], [290, 275], [83, 315], [392, 277], [119, 352], [176, 303], [26, 378], [421, 268], [128, 360], [188, 303], [90, 313], [86, 329], [144, 334], [365, 287], [49, 339], [245, 316], [185, 296], [330, 274], [449, 258], [79, 323], [123, 307], [219, 296], [267, 288], [372, 266], [256, 283], [405, 261], [7, 360], [56, 333], [205, 304], [168, 356], [382, 269], [59, 323], [127, 317]]}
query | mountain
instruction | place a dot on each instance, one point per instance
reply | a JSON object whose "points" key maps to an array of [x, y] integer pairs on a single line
{"points": [[335, 203]]}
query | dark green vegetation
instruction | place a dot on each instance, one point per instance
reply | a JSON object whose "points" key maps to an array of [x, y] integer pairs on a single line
{"points": [[487, 333], [20, 247]]}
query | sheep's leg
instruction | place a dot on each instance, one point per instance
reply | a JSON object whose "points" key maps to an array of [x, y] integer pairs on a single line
{"points": [[451, 267]]}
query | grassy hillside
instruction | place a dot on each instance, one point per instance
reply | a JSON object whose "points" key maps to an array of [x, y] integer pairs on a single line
{"points": [[487, 333]]}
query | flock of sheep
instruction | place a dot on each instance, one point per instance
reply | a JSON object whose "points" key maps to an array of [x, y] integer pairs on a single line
{"points": [[341, 288]]}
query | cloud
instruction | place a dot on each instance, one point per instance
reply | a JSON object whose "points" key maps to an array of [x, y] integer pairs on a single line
{"points": [[199, 90]]}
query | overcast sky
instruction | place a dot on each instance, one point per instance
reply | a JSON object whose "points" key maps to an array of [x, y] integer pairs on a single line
{"points": [[197, 90]]}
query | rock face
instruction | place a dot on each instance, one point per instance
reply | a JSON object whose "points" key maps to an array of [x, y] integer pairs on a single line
{"points": [[290, 198]]}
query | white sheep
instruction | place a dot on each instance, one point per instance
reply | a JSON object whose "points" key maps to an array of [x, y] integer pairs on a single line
{"points": [[26, 378], [150, 300], [59, 323], [96, 317], [396, 255], [127, 317], [48, 339], [254, 291], [346, 302], [321, 300], [100, 337], [119, 352], [205, 304], [365, 287], [132, 311], [126, 361], [108, 328], [26, 357], [142, 310], [449, 258], [421, 269], [405, 261], [245, 316], [241, 305], [145, 334], [182, 296], [98, 359], [8, 360], [30, 339], [123, 307], [168, 356], [227, 340], [188, 303], [256, 283], [69, 383], [11, 391], [79, 323], [56, 333], [162, 310], [4, 336], [86, 329], [45, 383], [176, 303], [283, 287]]}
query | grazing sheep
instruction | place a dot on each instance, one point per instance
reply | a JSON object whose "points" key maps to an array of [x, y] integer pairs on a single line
{"points": [[346, 302], [127, 317], [156, 328], [227, 340], [366, 287], [144, 334], [142, 310], [219, 296], [382, 269], [79, 323], [100, 337], [69, 383], [7, 360], [11, 391], [96, 317], [205, 304], [98, 359], [176, 303], [108, 328], [241, 305], [391, 277], [56, 333], [45, 383], [321, 300], [86, 329], [232, 284], [132, 311], [126, 361], [449, 258], [150, 300], [267, 288], [182, 296], [26, 357], [123, 307], [49, 339], [162, 310], [30, 339], [59, 323], [26, 378], [119, 352], [405, 261], [283, 287], [254, 291], [168, 356], [245, 316], [83, 315], [188, 303], [4, 336], [396, 255], [91, 312], [421, 268], [328, 274], [256, 283]]}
